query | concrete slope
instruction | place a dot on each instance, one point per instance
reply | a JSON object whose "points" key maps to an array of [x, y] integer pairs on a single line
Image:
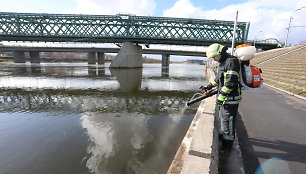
{"points": [[272, 124], [284, 68]]}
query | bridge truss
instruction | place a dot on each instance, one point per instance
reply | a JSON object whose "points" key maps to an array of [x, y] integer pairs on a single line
{"points": [[118, 29]]}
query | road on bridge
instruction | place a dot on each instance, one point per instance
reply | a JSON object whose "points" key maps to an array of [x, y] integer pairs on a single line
{"points": [[272, 124]]}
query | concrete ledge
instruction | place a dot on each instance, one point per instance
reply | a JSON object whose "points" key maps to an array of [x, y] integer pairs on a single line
{"points": [[285, 91], [198, 152]]}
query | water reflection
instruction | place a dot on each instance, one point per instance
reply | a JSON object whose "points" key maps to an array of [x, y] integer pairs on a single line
{"points": [[92, 71], [180, 77], [21, 70], [101, 71], [165, 71], [128, 133], [139, 149], [114, 148], [129, 79], [123, 121], [78, 101], [35, 70]]}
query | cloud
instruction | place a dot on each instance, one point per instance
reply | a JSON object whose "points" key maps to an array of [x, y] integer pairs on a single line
{"points": [[183, 8], [268, 19], [111, 7]]}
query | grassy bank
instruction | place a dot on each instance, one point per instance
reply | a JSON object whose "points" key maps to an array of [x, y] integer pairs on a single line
{"points": [[284, 68]]}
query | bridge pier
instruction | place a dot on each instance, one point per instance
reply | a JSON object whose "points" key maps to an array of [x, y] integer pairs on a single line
{"points": [[19, 57], [165, 64], [91, 58], [34, 57], [101, 72], [101, 57], [92, 71], [129, 56], [165, 60], [165, 71]]}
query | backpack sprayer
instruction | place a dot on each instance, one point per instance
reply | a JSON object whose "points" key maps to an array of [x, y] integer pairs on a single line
{"points": [[202, 96], [250, 75]]}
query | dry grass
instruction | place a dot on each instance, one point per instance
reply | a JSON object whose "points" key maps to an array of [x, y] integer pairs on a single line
{"points": [[284, 70], [263, 56]]}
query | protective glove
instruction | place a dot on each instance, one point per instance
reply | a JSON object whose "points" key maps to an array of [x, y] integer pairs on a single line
{"points": [[220, 100], [205, 88]]}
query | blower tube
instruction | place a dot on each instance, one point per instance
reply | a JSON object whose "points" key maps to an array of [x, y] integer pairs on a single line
{"points": [[190, 102]]}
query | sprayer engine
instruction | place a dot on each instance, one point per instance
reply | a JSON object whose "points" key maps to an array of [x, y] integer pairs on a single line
{"points": [[251, 75]]}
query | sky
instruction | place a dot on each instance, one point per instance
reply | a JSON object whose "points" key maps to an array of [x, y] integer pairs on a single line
{"points": [[268, 18]]}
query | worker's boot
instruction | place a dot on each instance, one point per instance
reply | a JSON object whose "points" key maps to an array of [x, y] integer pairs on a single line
{"points": [[226, 147]]}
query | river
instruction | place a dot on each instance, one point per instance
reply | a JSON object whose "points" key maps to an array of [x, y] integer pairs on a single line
{"points": [[71, 118]]}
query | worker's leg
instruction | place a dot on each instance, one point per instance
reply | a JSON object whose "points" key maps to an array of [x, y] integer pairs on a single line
{"points": [[228, 114]]}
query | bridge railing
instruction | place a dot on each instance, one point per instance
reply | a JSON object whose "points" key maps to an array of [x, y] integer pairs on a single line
{"points": [[270, 41]]}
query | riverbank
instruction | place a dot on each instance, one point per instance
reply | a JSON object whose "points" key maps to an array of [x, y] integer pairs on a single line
{"points": [[198, 152]]}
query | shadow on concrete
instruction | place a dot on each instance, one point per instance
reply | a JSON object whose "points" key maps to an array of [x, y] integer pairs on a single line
{"points": [[283, 150], [250, 160], [288, 151], [233, 163]]}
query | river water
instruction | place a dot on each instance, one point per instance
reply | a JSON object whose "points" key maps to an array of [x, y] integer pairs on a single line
{"points": [[71, 118]]}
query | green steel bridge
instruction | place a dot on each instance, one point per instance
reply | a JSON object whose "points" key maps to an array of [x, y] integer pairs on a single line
{"points": [[41, 27]]}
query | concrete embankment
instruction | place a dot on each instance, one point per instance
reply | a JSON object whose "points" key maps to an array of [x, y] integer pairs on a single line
{"points": [[198, 152]]}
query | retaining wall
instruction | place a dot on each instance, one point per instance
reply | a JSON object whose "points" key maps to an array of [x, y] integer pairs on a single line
{"points": [[198, 152]]}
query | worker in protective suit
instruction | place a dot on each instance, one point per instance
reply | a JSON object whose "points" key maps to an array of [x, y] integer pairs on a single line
{"points": [[229, 95]]}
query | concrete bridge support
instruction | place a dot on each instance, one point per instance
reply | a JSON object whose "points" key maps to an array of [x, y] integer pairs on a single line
{"points": [[129, 56], [165, 60], [165, 71], [101, 57], [91, 58], [34, 57], [19, 57], [165, 65], [101, 72], [92, 71]]}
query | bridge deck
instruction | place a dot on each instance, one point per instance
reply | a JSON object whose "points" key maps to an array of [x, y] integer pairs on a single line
{"points": [[104, 50]]}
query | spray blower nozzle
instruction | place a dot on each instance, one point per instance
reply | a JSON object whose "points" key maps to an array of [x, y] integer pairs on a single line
{"points": [[202, 96]]}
